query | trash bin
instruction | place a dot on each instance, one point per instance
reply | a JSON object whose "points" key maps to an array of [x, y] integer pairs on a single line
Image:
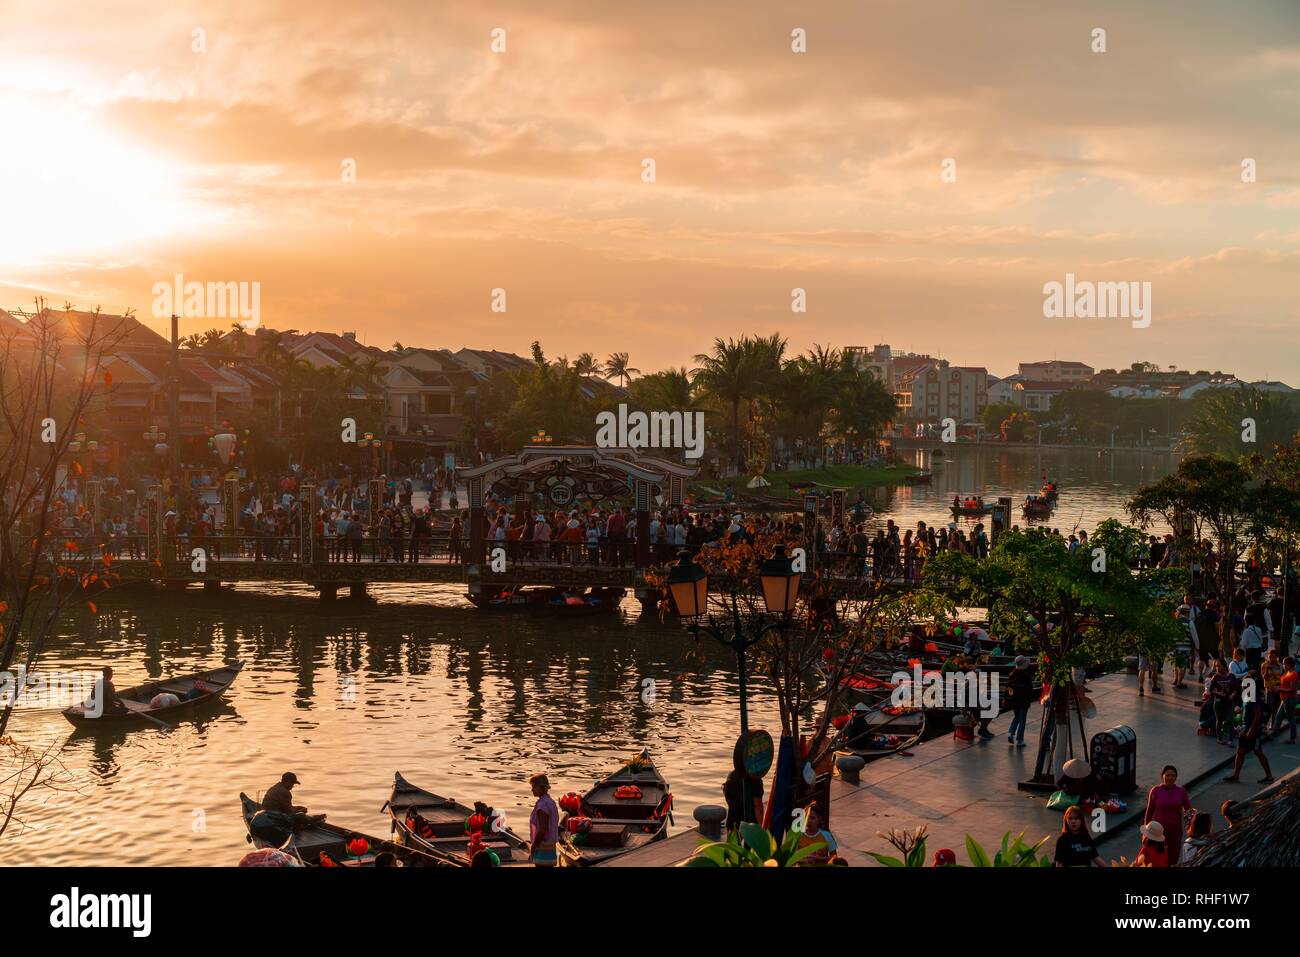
{"points": [[1114, 760]]}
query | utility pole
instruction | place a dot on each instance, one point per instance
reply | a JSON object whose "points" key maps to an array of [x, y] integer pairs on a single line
{"points": [[174, 403]]}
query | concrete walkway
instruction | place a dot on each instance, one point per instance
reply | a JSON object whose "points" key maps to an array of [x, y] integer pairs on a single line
{"points": [[957, 788]]}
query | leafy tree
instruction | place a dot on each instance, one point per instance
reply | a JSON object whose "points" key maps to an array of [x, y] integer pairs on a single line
{"points": [[1218, 422], [1074, 611], [863, 406], [995, 413], [1206, 492]]}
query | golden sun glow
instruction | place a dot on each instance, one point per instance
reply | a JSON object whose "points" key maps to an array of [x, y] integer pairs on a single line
{"points": [[67, 186]]}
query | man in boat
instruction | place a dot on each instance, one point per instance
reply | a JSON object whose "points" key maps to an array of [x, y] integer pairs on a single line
{"points": [[279, 796], [107, 698], [856, 731]]}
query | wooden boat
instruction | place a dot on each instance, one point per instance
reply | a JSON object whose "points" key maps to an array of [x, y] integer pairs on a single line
{"points": [[136, 699], [918, 478], [439, 825], [895, 734], [970, 510], [551, 601], [628, 809], [1038, 508], [326, 845]]}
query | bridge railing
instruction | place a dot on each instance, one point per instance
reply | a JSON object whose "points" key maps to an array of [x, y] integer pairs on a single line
{"points": [[886, 563]]}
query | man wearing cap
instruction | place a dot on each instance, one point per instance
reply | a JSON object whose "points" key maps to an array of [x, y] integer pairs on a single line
{"points": [[279, 797]]}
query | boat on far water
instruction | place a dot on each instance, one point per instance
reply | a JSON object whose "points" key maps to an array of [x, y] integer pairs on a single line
{"points": [[558, 602], [181, 695]]}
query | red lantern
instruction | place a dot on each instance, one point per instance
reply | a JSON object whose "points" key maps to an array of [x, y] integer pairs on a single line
{"points": [[571, 803], [358, 846], [475, 823]]}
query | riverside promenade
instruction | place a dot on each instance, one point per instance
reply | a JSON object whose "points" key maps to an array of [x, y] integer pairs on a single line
{"points": [[957, 788]]}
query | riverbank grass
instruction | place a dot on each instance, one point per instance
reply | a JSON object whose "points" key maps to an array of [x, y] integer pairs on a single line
{"points": [[855, 478]]}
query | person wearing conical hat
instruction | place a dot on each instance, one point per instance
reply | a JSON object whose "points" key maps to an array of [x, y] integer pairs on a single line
{"points": [[1076, 778]]}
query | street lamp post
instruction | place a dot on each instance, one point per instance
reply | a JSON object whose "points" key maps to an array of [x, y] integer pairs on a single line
{"points": [[688, 586]]}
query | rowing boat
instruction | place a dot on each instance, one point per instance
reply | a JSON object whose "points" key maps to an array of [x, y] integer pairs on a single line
{"points": [[327, 845], [891, 735], [624, 811], [136, 700], [429, 822], [552, 601]]}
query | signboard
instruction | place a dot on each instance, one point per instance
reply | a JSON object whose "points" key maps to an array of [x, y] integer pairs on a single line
{"points": [[837, 506], [754, 753]]}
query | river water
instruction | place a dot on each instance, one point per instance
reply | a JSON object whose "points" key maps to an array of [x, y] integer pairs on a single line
{"points": [[462, 703]]}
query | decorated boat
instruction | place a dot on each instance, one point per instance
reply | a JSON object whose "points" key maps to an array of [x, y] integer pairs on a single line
{"points": [[439, 825], [624, 811], [320, 844]]}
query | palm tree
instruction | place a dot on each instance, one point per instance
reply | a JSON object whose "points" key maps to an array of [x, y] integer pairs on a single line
{"points": [[272, 348], [862, 407], [727, 377], [587, 365], [238, 337], [669, 390], [616, 367]]}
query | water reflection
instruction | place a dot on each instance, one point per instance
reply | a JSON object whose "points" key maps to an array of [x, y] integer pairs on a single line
{"points": [[466, 704]]}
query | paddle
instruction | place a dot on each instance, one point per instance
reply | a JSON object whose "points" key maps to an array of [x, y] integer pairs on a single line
{"points": [[158, 721]]}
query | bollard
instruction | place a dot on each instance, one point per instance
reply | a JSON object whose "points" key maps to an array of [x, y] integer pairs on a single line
{"points": [[850, 766], [710, 818]]}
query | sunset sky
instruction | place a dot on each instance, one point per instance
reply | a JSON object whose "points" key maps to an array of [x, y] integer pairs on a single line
{"points": [[128, 157]]}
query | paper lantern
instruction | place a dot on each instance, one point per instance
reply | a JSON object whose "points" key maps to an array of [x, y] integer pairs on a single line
{"points": [[224, 443]]}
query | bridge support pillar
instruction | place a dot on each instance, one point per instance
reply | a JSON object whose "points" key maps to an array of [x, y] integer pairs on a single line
{"points": [[211, 586], [328, 592], [359, 592], [477, 521], [641, 550]]}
